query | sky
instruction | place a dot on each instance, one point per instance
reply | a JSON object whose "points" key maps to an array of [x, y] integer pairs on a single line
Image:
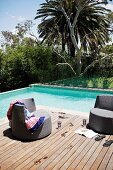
{"points": [[13, 12]]}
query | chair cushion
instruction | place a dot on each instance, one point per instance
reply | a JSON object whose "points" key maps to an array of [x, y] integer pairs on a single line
{"points": [[40, 113], [102, 112], [101, 121], [104, 102]]}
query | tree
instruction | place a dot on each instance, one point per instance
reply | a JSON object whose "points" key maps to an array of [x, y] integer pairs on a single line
{"points": [[9, 39], [106, 1], [23, 33], [111, 20], [25, 28], [78, 23]]}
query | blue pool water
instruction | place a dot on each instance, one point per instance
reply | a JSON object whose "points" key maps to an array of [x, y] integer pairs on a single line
{"points": [[73, 99]]}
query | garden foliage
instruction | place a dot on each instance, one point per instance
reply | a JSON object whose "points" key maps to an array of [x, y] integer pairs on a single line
{"points": [[25, 65]]}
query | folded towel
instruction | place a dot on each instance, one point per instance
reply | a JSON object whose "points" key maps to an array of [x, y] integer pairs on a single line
{"points": [[9, 112], [34, 123]]}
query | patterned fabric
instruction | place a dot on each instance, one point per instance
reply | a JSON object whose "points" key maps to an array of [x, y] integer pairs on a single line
{"points": [[9, 112], [31, 121]]}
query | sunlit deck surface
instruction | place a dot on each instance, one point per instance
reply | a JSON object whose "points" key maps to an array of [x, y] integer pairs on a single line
{"points": [[63, 149]]}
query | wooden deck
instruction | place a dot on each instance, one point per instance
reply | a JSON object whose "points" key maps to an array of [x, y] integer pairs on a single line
{"points": [[63, 149]]}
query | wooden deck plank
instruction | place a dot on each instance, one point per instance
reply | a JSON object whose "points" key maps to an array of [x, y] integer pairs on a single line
{"points": [[61, 150], [88, 155], [82, 155], [110, 163], [59, 153], [63, 156], [75, 152], [20, 148], [36, 146], [3, 127], [101, 154], [10, 149], [107, 157], [94, 156], [44, 150]]}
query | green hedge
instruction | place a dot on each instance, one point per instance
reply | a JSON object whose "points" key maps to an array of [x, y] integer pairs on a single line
{"points": [[29, 64], [87, 82]]}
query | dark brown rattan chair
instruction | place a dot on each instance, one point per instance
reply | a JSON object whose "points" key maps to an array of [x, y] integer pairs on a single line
{"points": [[101, 116]]}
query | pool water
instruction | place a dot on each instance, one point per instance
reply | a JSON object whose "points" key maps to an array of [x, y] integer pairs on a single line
{"points": [[64, 98]]}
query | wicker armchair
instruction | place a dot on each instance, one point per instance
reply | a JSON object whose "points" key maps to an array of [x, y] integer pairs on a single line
{"points": [[101, 116]]}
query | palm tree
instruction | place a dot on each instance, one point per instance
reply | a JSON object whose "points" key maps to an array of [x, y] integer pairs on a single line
{"points": [[106, 1], [75, 23]]}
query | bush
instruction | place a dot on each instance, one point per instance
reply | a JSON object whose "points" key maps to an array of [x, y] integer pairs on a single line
{"points": [[25, 65]]}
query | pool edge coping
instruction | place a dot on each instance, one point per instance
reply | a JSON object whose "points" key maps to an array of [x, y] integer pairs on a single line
{"points": [[70, 87], [9, 91]]}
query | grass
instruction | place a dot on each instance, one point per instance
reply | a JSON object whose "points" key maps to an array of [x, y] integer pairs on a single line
{"points": [[93, 82]]}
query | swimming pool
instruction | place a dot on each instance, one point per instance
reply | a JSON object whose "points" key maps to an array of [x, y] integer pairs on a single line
{"points": [[65, 98]]}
